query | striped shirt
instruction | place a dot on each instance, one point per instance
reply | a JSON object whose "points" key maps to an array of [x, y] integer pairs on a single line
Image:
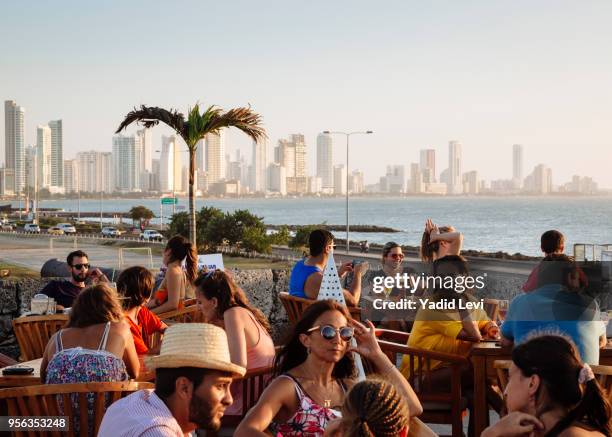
{"points": [[141, 414]]}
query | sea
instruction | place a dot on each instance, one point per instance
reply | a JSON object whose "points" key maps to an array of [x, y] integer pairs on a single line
{"points": [[509, 224]]}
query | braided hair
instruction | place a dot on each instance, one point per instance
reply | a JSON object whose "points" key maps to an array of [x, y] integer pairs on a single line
{"points": [[374, 408]]}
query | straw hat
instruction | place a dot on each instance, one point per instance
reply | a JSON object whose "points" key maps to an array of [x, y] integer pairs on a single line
{"points": [[195, 345]]}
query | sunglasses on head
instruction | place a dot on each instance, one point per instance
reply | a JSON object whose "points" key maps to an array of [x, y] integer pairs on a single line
{"points": [[328, 332], [80, 266]]}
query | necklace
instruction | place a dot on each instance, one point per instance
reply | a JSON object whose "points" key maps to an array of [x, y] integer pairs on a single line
{"points": [[327, 398]]}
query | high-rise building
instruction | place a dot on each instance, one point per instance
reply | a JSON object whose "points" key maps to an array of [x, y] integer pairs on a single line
{"points": [[300, 155], [155, 165], [7, 181], [417, 176], [71, 176], [215, 157], [517, 165], [259, 166], [325, 164], [356, 182], [277, 178], [95, 171], [30, 169], [395, 179], [171, 165], [200, 163], [43, 156], [455, 183], [127, 158], [427, 165], [340, 179], [14, 143], [471, 183], [291, 154], [284, 154], [147, 150], [57, 153]]}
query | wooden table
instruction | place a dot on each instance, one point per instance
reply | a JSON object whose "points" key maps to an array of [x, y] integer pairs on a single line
{"points": [[483, 355], [145, 375]]}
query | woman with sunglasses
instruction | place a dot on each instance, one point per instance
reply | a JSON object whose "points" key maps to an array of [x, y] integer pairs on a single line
{"points": [[223, 303], [315, 371]]}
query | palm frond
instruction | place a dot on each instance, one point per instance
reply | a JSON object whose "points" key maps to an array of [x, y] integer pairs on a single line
{"points": [[150, 116], [242, 118]]}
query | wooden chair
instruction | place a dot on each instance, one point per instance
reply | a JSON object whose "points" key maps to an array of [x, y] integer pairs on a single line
{"points": [[253, 385], [446, 407], [189, 314], [33, 333], [295, 306], [6, 361], [43, 400]]}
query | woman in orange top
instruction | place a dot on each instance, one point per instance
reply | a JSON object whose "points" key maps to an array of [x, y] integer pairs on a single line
{"points": [[135, 286], [171, 292]]}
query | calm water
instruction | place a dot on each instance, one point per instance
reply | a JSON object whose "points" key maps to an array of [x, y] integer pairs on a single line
{"points": [[491, 224]]}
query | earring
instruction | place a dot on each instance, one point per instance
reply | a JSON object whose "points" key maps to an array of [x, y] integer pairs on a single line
{"points": [[308, 351]]}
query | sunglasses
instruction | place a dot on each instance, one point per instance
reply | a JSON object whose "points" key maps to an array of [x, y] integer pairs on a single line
{"points": [[397, 255], [80, 266], [328, 332]]}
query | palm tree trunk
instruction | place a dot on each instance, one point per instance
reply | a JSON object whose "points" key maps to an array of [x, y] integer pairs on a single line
{"points": [[192, 217]]}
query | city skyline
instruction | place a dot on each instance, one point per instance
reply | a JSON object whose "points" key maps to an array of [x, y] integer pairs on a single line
{"points": [[420, 76]]}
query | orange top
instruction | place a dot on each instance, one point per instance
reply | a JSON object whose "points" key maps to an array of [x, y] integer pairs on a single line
{"points": [[148, 323]]}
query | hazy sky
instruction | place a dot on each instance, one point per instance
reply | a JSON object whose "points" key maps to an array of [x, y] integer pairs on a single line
{"points": [[486, 73]]}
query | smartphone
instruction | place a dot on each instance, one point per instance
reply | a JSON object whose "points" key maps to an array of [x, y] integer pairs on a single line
{"points": [[356, 262], [18, 370]]}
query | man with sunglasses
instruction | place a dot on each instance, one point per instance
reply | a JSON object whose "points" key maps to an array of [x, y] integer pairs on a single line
{"points": [[65, 291], [307, 274]]}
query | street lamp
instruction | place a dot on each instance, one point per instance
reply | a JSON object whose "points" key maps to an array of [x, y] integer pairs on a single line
{"points": [[347, 134]]}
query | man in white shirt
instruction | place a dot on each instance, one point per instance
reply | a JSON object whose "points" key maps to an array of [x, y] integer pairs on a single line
{"points": [[193, 374]]}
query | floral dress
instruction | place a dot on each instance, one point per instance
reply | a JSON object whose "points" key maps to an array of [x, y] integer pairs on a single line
{"points": [[76, 364], [309, 420]]}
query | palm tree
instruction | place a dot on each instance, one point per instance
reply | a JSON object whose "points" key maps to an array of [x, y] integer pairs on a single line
{"points": [[195, 128]]}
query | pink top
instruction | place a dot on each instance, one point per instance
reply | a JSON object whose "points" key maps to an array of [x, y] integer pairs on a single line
{"points": [[260, 355]]}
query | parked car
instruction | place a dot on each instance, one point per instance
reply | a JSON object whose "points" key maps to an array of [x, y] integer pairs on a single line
{"points": [[7, 227], [151, 235], [31, 228], [55, 230], [67, 228], [110, 232]]}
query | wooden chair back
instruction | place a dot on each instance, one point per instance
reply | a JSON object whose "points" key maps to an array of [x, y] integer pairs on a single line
{"points": [[253, 385], [447, 406], [6, 361], [189, 314], [603, 375], [33, 333], [295, 306], [44, 400]]}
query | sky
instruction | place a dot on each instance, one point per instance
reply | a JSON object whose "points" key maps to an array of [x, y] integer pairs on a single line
{"points": [[419, 74]]}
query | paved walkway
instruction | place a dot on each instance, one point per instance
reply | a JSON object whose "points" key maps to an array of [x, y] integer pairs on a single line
{"points": [[34, 252]]}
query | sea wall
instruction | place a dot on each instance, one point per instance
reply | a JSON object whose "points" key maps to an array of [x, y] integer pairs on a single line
{"points": [[261, 287]]}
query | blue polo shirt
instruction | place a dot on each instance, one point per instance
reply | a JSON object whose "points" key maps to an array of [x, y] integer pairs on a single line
{"points": [[553, 309]]}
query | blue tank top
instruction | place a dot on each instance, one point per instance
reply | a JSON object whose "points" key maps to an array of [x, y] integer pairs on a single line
{"points": [[299, 274]]}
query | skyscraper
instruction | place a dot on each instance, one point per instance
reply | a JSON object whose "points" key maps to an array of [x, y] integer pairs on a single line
{"points": [[147, 150], [517, 166], [325, 164], [43, 156], [127, 158], [340, 179], [57, 153], [14, 143], [71, 175], [215, 157], [259, 166], [428, 165], [455, 175], [94, 171]]}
